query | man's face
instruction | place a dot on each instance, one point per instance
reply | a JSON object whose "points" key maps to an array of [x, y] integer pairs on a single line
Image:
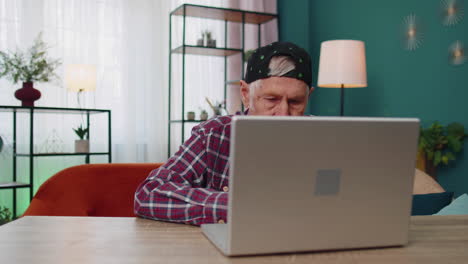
{"points": [[280, 96]]}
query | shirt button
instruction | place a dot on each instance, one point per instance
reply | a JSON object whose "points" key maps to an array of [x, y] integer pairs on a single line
{"points": [[221, 221], [225, 189]]}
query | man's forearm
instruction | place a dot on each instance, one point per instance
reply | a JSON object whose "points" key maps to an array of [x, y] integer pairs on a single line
{"points": [[175, 202]]}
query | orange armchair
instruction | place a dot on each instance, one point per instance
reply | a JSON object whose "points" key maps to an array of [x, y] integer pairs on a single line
{"points": [[91, 190]]}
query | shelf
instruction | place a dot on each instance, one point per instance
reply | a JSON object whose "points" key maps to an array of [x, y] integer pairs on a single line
{"points": [[187, 121], [10, 185], [50, 110], [61, 154], [201, 50], [224, 14], [233, 82], [230, 17], [33, 113]]}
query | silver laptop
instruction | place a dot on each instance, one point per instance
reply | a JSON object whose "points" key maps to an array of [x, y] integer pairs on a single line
{"points": [[317, 183]]}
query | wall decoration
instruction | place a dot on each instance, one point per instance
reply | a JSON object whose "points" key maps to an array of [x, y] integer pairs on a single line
{"points": [[457, 55], [452, 12], [412, 32], [5, 146], [53, 144]]}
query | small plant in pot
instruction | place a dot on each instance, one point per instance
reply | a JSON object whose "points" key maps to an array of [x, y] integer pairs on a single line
{"points": [[5, 215], [29, 67], [190, 115], [81, 145], [203, 115], [209, 41], [200, 41]]}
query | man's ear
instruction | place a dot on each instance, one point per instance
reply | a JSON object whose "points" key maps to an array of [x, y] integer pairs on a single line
{"points": [[245, 93], [311, 90]]}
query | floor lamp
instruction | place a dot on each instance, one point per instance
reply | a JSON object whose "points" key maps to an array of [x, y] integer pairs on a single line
{"points": [[342, 65]]}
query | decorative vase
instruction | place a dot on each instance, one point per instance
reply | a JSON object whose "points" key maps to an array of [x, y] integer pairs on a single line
{"points": [[82, 146], [27, 95]]}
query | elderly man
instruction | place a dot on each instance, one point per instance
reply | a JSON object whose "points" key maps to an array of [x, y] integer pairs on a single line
{"points": [[191, 187]]}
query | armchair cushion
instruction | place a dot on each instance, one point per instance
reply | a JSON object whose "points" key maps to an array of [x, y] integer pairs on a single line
{"points": [[91, 190], [431, 203], [458, 207]]}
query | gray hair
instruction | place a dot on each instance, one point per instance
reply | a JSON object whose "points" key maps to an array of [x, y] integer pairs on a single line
{"points": [[279, 66]]}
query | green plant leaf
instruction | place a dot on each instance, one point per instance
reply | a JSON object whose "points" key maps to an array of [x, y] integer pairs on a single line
{"points": [[437, 157], [454, 143], [450, 155], [5, 215], [81, 132], [33, 65], [456, 129], [445, 160], [430, 155]]}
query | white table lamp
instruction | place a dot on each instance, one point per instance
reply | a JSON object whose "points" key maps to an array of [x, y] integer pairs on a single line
{"points": [[80, 78], [342, 65]]}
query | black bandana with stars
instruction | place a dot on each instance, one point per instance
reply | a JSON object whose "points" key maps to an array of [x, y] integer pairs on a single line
{"points": [[257, 66]]}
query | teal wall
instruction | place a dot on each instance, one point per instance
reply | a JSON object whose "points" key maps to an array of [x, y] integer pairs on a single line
{"points": [[401, 83]]}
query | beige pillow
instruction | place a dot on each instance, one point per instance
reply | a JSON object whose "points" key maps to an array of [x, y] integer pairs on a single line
{"points": [[423, 184]]}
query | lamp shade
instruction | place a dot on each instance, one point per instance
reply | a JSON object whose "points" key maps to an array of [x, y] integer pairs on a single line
{"points": [[80, 77], [342, 64]]}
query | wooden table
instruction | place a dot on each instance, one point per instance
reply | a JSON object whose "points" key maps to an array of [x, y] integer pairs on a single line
{"points": [[36, 239]]}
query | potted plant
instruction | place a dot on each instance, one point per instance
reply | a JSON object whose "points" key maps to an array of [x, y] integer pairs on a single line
{"points": [[28, 67], [190, 115], [203, 115], [200, 41], [81, 145], [209, 41], [5, 215], [218, 107], [438, 145]]}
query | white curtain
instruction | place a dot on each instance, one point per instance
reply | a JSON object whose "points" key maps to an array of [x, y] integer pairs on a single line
{"points": [[204, 75], [127, 41]]}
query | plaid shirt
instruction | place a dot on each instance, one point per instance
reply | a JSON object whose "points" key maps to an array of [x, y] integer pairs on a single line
{"points": [[191, 187]]}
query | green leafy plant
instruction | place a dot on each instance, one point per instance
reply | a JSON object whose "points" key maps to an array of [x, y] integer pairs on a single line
{"points": [[440, 144], [207, 34], [5, 215], [81, 132], [30, 66]]}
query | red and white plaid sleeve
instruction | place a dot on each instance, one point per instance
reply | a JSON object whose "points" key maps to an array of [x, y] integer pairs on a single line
{"points": [[177, 191]]}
